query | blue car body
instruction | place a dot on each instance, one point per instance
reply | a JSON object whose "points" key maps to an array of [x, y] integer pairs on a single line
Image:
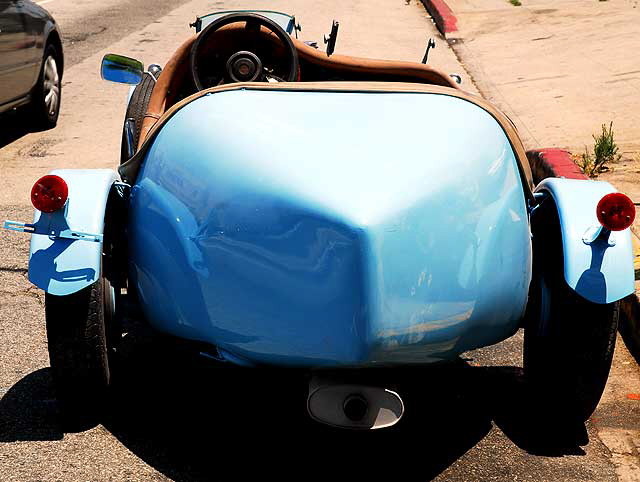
{"points": [[321, 228], [329, 240], [345, 230]]}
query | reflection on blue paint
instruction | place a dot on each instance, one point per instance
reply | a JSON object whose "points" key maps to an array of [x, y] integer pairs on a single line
{"points": [[322, 229]]}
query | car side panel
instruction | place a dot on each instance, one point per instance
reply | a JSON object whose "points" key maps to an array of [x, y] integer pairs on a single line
{"points": [[14, 56], [25, 28], [38, 24]]}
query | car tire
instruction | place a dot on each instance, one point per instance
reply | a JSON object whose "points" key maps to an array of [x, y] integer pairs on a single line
{"points": [[568, 340], [136, 110], [82, 337], [46, 96]]}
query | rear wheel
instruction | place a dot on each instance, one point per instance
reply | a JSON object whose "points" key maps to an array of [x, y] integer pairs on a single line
{"points": [[47, 94], [82, 339], [569, 341]]}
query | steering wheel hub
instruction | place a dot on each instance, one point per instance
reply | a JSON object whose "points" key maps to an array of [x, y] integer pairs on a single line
{"points": [[244, 66]]}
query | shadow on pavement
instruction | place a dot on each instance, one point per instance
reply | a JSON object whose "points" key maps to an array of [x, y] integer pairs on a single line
{"points": [[28, 410], [192, 419], [516, 412], [13, 126], [198, 421]]}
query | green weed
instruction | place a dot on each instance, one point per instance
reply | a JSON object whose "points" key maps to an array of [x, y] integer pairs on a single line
{"points": [[515, 3], [605, 150]]}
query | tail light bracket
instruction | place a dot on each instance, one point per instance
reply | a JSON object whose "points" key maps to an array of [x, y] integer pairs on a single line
{"points": [[594, 233], [54, 225]]}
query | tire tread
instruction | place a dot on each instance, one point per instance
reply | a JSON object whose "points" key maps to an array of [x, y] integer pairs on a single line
{"points": [[78, 353]]}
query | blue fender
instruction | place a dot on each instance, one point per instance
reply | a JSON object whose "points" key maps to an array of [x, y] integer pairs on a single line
{"points": [[602, 271], [62, 266]]}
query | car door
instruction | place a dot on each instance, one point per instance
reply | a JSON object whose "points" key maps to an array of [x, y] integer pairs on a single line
{"points": [[14, 52], [35, 19]]}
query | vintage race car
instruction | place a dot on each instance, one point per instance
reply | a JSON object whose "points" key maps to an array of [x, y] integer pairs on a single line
{"points": [[281, 207]]}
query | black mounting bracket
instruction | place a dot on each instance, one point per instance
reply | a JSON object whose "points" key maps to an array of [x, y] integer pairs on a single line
{"points": [[430, 45], [332, 38]]}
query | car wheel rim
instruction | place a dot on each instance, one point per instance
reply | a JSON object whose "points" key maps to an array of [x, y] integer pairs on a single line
{"points": [[51, 86]]}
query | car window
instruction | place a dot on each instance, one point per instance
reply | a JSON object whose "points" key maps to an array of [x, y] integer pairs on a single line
{"points": [[287, 22]]}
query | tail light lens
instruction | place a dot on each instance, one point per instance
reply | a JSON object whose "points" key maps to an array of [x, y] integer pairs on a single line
{"points": [[49, 193], [616, 211]]}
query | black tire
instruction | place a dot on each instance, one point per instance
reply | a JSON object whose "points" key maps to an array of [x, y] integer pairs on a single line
{"points": [[568, 340], [81, 338], [135, 110], [44, 110]]}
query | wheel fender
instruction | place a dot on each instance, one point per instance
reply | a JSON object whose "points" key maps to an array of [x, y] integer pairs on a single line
{"points": [[599, 272], [130, 94], [51, 28], [62, 266]]}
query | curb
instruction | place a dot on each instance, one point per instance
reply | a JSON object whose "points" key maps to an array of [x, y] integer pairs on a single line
{"points": [[442, 15], [551, 162], [558, 163]]}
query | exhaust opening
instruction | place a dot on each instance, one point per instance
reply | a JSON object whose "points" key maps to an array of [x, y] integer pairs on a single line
{"points": [[355, 407]]}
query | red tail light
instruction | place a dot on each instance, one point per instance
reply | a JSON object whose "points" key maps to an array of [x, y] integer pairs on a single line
{"points": [[49, 194], [616, 211]]}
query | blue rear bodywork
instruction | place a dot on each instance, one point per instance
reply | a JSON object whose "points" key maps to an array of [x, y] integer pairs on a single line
{"points": [[331, 228]]}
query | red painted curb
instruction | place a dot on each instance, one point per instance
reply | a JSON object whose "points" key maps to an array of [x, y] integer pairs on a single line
{"points": [[442, 15], [553, 163]]}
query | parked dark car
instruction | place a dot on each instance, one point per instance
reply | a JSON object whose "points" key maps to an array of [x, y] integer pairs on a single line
{"points": [[31, 61]]}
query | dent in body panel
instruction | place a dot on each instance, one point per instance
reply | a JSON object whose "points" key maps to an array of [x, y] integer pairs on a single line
{"points": [[252, 274]]}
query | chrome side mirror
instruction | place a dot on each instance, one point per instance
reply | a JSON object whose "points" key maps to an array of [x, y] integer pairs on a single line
{"points": [[121, 69]]}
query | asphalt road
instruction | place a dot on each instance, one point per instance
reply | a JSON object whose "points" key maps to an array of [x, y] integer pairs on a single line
{"points": [[88, 27], [177, 417]]}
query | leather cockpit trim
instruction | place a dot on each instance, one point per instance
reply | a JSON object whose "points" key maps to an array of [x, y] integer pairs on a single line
{"points": [[164, 85], [129, 170], [176, 71], [346, 63]]}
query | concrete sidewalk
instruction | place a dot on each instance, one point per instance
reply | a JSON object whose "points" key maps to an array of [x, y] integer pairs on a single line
{"points": [[560, 69]]}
